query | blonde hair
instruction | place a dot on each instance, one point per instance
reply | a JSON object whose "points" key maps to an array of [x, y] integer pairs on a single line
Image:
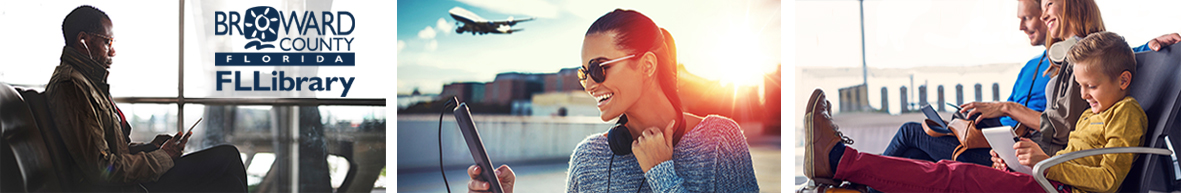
{"points": [[1103, 51], [1081, 17]]}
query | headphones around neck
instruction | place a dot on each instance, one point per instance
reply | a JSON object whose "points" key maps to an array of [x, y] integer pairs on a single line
{"points": [[619, 138]]}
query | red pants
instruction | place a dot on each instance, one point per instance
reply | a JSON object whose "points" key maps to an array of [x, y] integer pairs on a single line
{"points": [[893, 174]]}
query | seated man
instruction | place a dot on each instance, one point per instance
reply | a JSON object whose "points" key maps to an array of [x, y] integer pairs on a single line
{"points": [[1029, 92], [1103, 65], [95, 132]]}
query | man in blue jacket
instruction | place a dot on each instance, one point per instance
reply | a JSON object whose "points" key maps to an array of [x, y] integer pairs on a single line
{"points": [[1029, 90]]}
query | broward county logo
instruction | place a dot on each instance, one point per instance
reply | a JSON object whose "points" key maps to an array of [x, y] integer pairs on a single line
{"points": [[297, 38], [311, 45]]}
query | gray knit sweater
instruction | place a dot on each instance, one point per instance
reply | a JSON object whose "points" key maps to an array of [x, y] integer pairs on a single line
{"points": [[711, 157]]}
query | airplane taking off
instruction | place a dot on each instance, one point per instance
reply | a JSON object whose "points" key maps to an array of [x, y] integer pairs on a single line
{"points": [[477, 25]]}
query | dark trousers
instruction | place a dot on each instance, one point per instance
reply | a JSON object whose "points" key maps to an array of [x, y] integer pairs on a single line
{"points": [[912, 142], [217, 169]]}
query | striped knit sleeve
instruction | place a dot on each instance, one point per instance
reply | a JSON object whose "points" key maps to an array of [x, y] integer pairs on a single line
{"points": [[577, 159], [726, 161]]}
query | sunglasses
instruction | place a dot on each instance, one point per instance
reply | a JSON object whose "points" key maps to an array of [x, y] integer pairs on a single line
{"points": [[107, 40], [597, 67]]}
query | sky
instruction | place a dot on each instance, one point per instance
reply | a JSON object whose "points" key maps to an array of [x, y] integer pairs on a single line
{"points": [[729, 41], [913, 33]]}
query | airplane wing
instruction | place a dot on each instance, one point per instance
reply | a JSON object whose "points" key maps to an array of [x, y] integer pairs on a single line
{"points": [[510, 22]]}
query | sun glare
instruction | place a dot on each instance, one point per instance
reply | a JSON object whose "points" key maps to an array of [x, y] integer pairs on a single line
{"points": [[740, 60]]}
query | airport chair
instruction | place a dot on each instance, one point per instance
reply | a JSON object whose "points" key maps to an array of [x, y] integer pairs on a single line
{"points": [[1157, 86], [28, 158]]}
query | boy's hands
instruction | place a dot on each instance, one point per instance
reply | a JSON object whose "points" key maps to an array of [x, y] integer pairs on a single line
{"points": [[997, 162], [1028, 152]]}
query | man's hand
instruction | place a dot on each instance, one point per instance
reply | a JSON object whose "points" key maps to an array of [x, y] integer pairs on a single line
{"points": [[176, 145], [504, 174], [985, 109], [160, 139], [1164, 40], [653, 148], [997, 162], [1029, 153]]}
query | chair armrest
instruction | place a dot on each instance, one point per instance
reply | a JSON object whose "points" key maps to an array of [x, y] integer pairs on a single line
{"points": [[1039, 170]]}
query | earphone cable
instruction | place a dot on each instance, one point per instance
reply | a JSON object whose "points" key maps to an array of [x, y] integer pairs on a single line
{"points": [[441, 171], [609, 164]]}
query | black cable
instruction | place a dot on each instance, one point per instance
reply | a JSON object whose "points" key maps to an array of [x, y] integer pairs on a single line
{"points": [[1029, 92], [642, 181], [441, 112], [609, 172]]}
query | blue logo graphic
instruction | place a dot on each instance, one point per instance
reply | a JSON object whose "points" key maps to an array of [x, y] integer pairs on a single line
{"points": [[260, 22]]}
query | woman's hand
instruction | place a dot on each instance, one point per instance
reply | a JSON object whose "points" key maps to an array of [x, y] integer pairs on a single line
{"points": [[1164, 40], [504, 174], [1029, 153], [652, 148], [985, 109], [997, 162]]}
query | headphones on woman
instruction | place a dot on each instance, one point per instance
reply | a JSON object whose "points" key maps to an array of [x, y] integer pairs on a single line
{"points": [[619, 138]]}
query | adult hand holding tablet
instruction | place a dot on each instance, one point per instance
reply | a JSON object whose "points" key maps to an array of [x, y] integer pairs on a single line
{"points": [[175, 146], [481, 179]]}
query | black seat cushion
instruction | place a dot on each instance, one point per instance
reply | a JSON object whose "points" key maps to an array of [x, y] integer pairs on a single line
{"points": [[1157, 86]]}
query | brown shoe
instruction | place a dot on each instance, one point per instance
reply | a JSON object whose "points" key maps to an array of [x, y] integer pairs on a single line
{"points": [[821, 136]]}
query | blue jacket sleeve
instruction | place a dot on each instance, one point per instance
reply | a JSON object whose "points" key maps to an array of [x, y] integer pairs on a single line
{"points": [[1142, 48]]}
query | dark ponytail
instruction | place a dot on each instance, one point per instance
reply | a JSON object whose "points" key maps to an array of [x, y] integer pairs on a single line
{"points": [[636, 34]]}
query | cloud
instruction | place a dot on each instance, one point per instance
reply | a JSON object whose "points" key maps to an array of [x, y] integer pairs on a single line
{"points": [[532, 8], [401, 45], [428, 33], [443, 26], [432, 45]]}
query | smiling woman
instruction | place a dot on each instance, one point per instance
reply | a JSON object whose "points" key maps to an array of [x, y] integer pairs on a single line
{"points": [[631, 71]]}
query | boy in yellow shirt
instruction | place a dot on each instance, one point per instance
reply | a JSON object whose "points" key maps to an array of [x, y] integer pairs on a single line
{"points": [[1103, 67]]}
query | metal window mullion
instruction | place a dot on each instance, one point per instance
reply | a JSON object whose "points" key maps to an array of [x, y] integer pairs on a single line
{"points": [[180, 70]]}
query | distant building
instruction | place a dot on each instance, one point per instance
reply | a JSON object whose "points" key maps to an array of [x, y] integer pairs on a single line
{"points": [[514, 89], [408, 100], [565, 80], [472, 92], [570, 103], [512, 86]]}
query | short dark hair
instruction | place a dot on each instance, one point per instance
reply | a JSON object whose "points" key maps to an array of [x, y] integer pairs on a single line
{"points": [[85, 18]]}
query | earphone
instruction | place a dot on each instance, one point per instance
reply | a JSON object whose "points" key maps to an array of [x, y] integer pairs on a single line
{"points": [[88, 53]]}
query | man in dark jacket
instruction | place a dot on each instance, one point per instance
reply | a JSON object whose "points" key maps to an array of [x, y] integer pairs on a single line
{"points": [[96, 134]]}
